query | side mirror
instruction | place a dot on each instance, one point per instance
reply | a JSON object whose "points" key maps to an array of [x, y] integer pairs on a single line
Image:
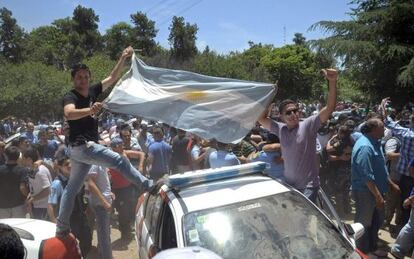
{"points": [[355, 230]]}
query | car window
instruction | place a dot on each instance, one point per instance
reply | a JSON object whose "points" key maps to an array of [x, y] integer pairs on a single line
{"points": [[152, 212], [285, 225], [168, 237]]}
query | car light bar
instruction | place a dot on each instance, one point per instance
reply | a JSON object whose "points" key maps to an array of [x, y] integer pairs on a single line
{"points": [[178, 181]]}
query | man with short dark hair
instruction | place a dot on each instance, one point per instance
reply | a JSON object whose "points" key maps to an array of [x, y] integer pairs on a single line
{"points": [[124, 191], [159, 155], [11, 246], [222, 157], [46, 147], [80, 106], [370, 182], [298, 139], [181, 156], [13, 186], [40, 180], [29, 133]]}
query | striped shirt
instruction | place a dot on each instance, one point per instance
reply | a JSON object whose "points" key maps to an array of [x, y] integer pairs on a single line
{"points": [[406, 136]]}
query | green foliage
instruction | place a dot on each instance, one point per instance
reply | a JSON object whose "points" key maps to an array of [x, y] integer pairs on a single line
{"points": [[101, 66], [182, 39], [32, 89], [295, 69], [12, 37], [377, 44], [143, 33], [299, 39], [118, 37], [47, 44], [85, 27]]}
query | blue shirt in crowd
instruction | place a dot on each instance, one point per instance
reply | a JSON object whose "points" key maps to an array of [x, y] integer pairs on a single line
{"points": [[275, 170], [161, 153], [50, 149], [222, 158], [368, 164]]}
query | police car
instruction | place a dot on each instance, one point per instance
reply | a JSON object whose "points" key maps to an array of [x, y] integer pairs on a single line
{"points": [[38, 238], [239, 212]]}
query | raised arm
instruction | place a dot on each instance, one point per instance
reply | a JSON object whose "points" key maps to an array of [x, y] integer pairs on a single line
{"points": [[113, 77], [332, 76], [264, 118]]}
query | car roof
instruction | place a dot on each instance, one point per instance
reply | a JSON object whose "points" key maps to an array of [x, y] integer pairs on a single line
{"points": [[40, 229], [228, 191]]}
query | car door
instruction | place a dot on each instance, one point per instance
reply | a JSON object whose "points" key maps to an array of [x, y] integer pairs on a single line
{"points": [[167, 234], [153, 208]]}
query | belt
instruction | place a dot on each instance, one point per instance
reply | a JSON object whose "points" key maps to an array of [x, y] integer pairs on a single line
{"points": [[78, 143]]}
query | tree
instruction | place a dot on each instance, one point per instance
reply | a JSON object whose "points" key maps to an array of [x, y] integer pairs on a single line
{"points": [[143, 34], [32, 86], [11, 37], [118, 37], [296, 70], [376, 46], [85, 24], [47, 45], [182, 39], [299, 39]]}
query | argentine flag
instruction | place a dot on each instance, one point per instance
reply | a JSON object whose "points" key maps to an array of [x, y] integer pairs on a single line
{"points": [[210, 107]]}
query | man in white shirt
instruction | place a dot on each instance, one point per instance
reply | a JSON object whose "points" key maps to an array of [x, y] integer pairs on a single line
{"points": [[39, 183]]}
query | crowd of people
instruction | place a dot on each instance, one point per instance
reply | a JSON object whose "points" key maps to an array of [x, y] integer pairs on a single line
{"points": [[75, 175]]}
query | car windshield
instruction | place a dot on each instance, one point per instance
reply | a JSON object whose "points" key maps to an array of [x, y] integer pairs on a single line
{"points": [[285, 225]]}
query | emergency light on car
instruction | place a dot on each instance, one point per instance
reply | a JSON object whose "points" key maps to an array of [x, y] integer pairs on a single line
{"points": [[202, 176]]}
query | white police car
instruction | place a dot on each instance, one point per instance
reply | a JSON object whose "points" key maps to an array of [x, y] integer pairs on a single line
{"points": [[32, 232], [238, 212]]}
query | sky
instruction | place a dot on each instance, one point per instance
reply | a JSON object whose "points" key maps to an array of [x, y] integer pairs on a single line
{"points": [[224, 25]]}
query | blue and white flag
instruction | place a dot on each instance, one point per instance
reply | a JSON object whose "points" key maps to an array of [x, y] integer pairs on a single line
{"points": [[210, 107]]}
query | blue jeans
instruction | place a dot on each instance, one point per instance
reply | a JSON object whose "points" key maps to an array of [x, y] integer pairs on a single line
{"points": [[370, 217], [81, 158], [405, 239], [103, 230]]}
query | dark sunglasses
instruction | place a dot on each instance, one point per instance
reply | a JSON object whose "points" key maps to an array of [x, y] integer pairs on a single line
{"points": [[291, 111]]}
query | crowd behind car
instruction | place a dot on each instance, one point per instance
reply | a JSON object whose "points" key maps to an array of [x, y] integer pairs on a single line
{"points": [[37, 155]]}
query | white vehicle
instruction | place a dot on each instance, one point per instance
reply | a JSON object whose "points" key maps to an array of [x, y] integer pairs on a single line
{"points": [[239, 212], [32, 232]]}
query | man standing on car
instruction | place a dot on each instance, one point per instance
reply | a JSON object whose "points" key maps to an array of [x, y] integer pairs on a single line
{"points": [[298, 139], [369, 184], [79, 107]]}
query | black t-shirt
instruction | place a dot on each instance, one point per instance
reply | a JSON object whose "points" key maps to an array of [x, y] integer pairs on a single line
{"points": [[85, 129], [180, 154], [10, 178]]}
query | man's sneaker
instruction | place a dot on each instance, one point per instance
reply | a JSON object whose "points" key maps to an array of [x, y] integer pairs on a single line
{"points": [[62, 234]]}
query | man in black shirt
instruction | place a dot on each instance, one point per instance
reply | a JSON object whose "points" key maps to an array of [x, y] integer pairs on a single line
{"points": [[79, 107], [181, 153], [13, 186]]}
